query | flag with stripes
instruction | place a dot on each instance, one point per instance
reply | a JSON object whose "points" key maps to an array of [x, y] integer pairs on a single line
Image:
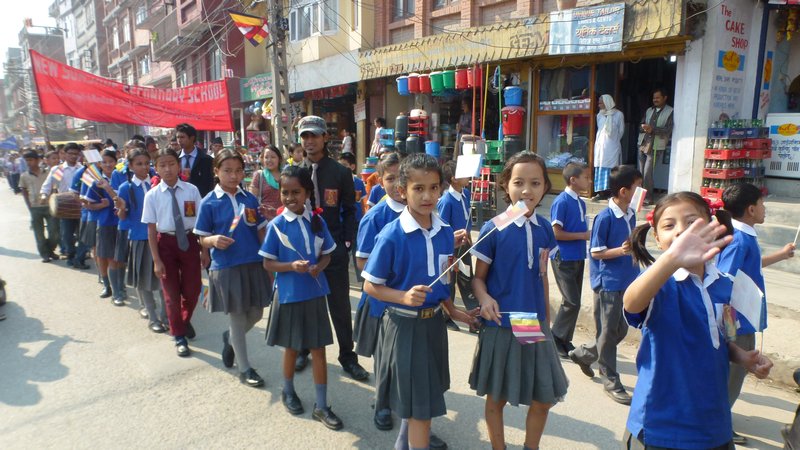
{"points": [[526, 328], [253, 28]]}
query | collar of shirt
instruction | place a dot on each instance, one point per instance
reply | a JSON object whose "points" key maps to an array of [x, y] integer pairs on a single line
{"points": [[395, 205], [712, 274], [744, 228], [163, 186], [457, 195], [618, 211], [290, 216], [410, 224], [137, 182], [571, 193], [520, 221], [219, 192], [193, 153]]}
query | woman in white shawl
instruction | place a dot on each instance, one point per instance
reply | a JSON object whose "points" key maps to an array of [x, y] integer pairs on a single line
{"points": [[607, 144]]}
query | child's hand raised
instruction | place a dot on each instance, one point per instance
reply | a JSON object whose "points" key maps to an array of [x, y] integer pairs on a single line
{"points": [[490, 310], [788, 250], [300, 266], [416, 295], [698, 243]]}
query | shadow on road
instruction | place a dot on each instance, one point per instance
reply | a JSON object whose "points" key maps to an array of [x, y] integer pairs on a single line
{"points": [[766, 400], [760, 430], [22, 368], [17, 253]]}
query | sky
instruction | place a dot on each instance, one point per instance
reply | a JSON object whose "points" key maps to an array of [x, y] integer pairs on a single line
{"points": [[11, 20]]}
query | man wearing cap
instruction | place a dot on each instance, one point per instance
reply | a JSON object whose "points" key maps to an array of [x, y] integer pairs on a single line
{"points": [[335, 194]]}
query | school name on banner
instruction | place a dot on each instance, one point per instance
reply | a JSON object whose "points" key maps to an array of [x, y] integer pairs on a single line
{"points": [[65, 90]]}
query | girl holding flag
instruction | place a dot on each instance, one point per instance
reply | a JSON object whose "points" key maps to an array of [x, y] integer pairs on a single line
{"points": [[515, 360], [230, 225]]}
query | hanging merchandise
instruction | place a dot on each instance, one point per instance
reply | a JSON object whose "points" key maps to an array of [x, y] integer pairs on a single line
{"points": [[402, 85], [475, 77], [462, 79], [513, 120], [425, 84], [449, 78], [513, 96], [437, 82], [413, 83]]}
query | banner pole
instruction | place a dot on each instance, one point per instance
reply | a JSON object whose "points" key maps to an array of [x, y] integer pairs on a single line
{"points": [[46, 132]]}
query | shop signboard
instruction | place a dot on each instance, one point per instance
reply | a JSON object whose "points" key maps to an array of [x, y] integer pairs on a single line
{"points": [[360, 111], [257, 87], [784, 130], [593, 29], [732, 37]]}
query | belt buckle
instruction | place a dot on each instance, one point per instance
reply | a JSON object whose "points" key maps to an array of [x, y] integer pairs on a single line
{"points": [[426, 313]]}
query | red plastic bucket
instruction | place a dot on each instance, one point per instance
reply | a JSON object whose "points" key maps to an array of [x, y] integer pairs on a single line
{"points": [[461, 79], [513, 120], [413, 83], [425, 84], [475, 77]]}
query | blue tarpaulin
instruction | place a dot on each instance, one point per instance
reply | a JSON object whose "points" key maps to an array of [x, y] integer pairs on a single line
{"points": [[9, 144]]}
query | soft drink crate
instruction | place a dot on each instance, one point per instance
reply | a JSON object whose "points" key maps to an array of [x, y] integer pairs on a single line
{"points": [[754, 172], [727, 133], [712, 193], [760, 132], [757, 144], [712, 153], [723, 174]]}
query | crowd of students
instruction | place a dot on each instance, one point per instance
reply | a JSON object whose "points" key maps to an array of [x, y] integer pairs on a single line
{"points": [[151, 228]]}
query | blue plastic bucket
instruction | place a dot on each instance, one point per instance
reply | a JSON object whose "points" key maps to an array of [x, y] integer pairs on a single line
{"points": [[512, 96], [402, 85], [432, 148]]}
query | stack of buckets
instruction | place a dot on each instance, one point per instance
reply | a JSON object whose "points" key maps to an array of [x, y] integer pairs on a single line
{"points": [[438, 82], [513, 119], [369, 167]]}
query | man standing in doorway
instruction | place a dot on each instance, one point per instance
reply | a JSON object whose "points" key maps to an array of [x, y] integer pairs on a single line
{"points": [[335, 194], [197, 167], [654, 135]]}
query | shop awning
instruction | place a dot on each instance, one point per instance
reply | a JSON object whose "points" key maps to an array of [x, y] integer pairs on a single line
{"points": [[645, 21]]}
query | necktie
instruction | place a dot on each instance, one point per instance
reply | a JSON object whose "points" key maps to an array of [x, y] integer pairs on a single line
{"points": [[177, 217], [186, 162], [316, 185]]}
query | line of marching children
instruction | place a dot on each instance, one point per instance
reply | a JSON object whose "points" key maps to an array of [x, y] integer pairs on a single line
{"points": [[408, 251]]}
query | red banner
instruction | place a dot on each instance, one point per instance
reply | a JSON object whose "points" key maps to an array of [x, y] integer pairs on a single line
{"points": [[65, 90]]}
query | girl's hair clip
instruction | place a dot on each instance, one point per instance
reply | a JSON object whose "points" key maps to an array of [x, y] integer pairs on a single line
{"points": [[713, 205], [317, 212], [649, 218]]}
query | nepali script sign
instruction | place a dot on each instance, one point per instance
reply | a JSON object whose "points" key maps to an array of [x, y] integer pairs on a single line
{"points": [[72, 92], [594, 29]]}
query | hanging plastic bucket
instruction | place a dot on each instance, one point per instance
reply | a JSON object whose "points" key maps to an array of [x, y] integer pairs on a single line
{"points": [[449, 79], [402, 85], [462, 79], [437, 82], [425, 84], [413, 83], [513, 120], [475, 77], [432, 148], [513, 96]]}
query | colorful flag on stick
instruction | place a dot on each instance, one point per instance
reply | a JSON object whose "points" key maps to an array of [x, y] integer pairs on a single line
{"points": [[87, 178], [94, 172], [236, 219], [203, 297], [526, 327], [253, 28], [58, 174], [638, 198]]}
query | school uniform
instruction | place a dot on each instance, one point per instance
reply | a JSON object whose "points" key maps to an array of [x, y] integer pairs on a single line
{"points": [[361, 191], [87, 229], [569, 212], [370, 310], [502, 367], [454, 208], [681, 400], [140, 260], [609, 279], [181, 285], [743, 254], [412, 361], [376, 194], [300, 319], [237, 281], [106, 221]]}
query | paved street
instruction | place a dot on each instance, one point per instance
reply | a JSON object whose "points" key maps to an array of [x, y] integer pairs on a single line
{"points": [[77, 372]]}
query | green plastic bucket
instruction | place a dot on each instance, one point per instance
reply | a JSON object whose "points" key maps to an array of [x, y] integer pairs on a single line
{"points": [[449, 78], [437, 82]]}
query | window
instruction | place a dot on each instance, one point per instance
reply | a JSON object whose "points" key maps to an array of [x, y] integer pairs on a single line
{"points": [[307, 18], [144, 65], [356, 16], [438, 4], [141, 14], [126, 29], [402, 9], [89, 13], [181, 77], [88, 59], [215, 65], [114, 37]]}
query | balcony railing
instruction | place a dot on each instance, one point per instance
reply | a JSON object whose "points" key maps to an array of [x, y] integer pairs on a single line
{"points": [[164, 36]]}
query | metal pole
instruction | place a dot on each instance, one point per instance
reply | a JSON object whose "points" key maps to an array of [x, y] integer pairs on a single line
{"points": [[280, 76]]}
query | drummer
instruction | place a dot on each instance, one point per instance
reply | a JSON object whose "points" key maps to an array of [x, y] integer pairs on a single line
{"points": [[31, 183], [61, 180]]}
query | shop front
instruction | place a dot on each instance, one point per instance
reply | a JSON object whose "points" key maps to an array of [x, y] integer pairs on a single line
{"points": [[335, 104]]}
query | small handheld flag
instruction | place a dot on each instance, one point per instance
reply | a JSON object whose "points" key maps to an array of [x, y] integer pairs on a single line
{"points": [[638, 198], [286, 243], [236, 219], [526, 327], [58, 174], [94, 172], [203, 297], [253, 28]]}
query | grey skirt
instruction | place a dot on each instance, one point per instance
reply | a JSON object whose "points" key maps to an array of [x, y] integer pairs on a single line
{"points": [[106, 241], [238, 289], [88, 234], [300, 325], [121, 247], [365, 331], [412, 365], [140, 268], [520, 374]]}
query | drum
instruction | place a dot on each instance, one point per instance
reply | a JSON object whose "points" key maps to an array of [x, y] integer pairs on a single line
{"points": [[65, 205]]}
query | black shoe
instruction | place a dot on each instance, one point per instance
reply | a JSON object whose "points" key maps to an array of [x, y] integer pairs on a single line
{"points": [[53, 256], [301, 362], [118, 302], [619, 396], [383, 422], [106, 292], [434, 443], [46, 259], [563, 348], [81, 265], [182, 347], [292, 403], [70, 263], [585, 368], [738, 439], [156, 327], [143, 313], [327, 417], [251, 378], [355, 371], [451, 325], [227, 351], [190, 334]]}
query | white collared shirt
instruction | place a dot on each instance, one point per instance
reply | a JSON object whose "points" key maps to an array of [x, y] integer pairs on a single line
{"points": [[574, 196], [67, 175], [219, 192], [137, 182], [158, 206], [527, 222], [191, 155], [619, 214], [395, 205], [744, 228], [410, 224], [460, 197], [291, 217], [711, 275]]}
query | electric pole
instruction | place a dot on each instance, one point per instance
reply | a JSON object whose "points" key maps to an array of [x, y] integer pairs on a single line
{"points": [[280, 74]]}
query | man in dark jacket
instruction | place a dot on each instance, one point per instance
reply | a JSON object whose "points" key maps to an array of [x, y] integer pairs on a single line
{"points": [[197, 167]]}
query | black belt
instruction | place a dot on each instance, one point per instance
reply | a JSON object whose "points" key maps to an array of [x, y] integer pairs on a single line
{"points": [[426, 313]]}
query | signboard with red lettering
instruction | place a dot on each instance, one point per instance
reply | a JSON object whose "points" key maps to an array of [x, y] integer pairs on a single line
{"points": [[733, 44], [72, 92], [593, 29]]}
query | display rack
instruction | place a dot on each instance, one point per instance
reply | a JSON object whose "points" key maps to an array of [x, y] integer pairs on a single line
{"points": [[735, 155], [483, 203]]}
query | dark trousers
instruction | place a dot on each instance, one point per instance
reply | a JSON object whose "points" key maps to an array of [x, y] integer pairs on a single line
{"points": [[82, 251], [13, 182], [338, 277], [645, 164], [69, 230], [629, 442], [463, 280], [611, 330], [569, 278], [41, 219], [181, 286]]}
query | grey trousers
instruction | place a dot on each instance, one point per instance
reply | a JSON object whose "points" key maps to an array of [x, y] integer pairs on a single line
{"points": [[646, 167], [569, 278], [41, 219], [611, 330], [737, 373]]}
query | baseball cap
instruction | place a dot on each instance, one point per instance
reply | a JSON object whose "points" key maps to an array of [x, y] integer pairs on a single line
{"points": [[313, 124]]}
